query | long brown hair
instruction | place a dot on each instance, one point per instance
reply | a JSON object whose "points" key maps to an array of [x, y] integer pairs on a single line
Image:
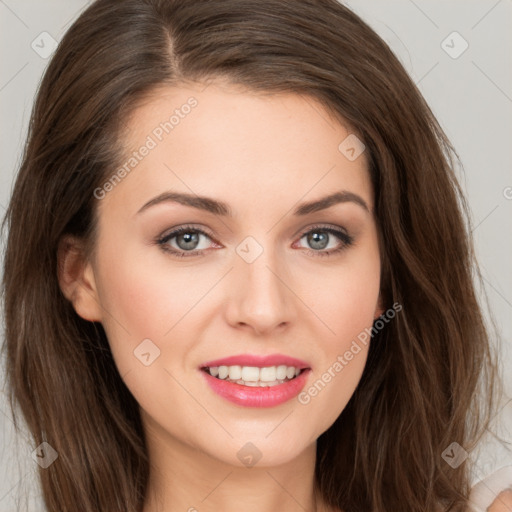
{"points": [[427, 370]]}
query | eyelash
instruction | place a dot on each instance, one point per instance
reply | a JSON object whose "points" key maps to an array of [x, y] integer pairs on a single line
{"points": [[346, 240]]}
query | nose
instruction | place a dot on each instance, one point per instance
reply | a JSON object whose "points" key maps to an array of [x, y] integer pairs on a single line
{"points": [[260, 296]]}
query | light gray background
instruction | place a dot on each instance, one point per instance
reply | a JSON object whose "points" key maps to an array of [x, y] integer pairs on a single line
{"points": [[471, 95]]}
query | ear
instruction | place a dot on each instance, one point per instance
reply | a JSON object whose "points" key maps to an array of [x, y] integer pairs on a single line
{"points": [[76, 279]]}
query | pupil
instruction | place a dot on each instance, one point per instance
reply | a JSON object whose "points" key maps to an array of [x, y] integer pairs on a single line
{"points": [[318, 239], [190, 240]]}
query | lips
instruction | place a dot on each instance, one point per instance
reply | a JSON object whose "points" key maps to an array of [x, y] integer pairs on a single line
{"points": [[257, 361], [259, 391], [257, 396]]}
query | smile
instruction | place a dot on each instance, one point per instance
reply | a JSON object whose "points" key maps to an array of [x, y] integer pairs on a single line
{"points": [[253, 376], [257, 392]]}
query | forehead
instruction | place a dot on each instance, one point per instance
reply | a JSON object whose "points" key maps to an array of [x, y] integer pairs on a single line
{"points": [[220, 140]]}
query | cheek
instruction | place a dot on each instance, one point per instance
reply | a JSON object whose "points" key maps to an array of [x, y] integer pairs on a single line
{"points": [[344, 297], [347, 312], [139, 303], [344, 356], [144, 288]]}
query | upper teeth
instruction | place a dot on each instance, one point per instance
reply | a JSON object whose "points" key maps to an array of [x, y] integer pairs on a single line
{"points": [[253, 373]]}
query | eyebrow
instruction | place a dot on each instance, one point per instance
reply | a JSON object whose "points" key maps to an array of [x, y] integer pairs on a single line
{"points": [[222, 209]]}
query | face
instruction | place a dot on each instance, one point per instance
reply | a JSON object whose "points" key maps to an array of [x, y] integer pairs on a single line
{"points": [[261, 274]]}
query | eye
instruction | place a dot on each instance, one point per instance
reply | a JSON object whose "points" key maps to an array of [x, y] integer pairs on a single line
{"points": [[320, 238], [184, 241]]}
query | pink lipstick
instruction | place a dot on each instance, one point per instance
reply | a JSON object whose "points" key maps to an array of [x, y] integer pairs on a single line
{"points": [[256, 381]]}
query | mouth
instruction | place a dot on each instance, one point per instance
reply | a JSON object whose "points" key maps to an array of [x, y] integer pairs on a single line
{"points": [[254, 376], [256, 386]]}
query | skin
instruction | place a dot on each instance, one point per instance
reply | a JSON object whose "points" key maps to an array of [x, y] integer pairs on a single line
{"points": [[262, 155], [503, 503]]}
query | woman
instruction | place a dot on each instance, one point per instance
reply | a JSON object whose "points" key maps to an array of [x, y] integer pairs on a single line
{"points": [[238, 272]]}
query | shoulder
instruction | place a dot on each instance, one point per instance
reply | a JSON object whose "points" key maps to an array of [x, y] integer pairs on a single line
{"points": [[503, 503], [494, 493]]}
